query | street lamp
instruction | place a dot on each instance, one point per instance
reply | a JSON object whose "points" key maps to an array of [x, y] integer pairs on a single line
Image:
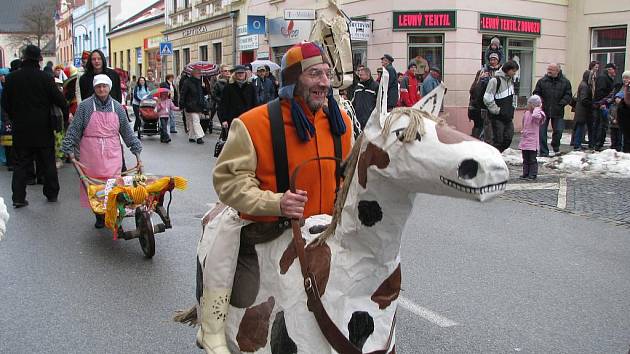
{"points": [[85, 36]]}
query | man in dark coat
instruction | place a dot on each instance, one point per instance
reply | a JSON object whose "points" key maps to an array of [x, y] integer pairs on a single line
{"points": [[603, 97], [364, 100], [192, 102], [392, 85], [28, 97], [555, 91], [238, 97], [98, 65]]}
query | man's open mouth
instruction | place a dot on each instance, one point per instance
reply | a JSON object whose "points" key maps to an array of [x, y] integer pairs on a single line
{"points": [[472, 190]]}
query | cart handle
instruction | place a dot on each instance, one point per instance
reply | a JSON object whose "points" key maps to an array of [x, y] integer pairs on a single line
{"points": [[87, 179]]}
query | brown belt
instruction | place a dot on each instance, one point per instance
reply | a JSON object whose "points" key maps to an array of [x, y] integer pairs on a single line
{"points": [[329, 329]]}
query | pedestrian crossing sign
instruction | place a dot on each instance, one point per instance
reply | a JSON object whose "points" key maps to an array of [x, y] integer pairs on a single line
{"points": [[166, 48]]}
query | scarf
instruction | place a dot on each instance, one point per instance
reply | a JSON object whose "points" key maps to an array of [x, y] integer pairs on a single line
{"points": [[305, 129]]}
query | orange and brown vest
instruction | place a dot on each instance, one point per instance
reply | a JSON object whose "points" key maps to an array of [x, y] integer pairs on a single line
{"points": [[316, 178]]}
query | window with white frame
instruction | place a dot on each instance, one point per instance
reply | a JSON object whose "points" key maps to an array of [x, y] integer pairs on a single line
{"points": [[608, 45]]}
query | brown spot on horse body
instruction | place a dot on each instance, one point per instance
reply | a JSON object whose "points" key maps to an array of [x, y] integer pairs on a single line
{"points": [[388, 291], [254, 327], [317, 261], [372, 156]]}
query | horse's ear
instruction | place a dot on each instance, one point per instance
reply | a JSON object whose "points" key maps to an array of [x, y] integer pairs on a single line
{"points": [[432, 102], [377, 118]]}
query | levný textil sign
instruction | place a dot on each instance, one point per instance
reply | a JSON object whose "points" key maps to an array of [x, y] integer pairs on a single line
{"points": [[509, 24], [424, 20]]}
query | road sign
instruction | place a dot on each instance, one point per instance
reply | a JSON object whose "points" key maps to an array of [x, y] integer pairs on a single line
{"points": [[166, 48], [77, 62], [255, 24]]}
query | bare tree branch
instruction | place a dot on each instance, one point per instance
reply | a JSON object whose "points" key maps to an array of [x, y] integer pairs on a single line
{"points": [[39, 24]]}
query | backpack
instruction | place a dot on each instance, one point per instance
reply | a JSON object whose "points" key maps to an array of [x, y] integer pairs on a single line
{"points": [[480, 91]]}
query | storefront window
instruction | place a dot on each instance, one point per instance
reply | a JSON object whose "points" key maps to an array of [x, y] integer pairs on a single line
{"points": [[426, 50], [278, 53], [359, 53], [608, 45], [218, 53], [176, 64], [186, 56], [203, 53], [521, 50]]}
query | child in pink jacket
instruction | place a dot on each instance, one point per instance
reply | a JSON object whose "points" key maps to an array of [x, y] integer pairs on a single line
{"points": [[532, 120], [163, 107]]}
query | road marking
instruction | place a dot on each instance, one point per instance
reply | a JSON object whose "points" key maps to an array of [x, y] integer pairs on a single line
{"points": [[426, 313], [530, 186], [562, 194]]}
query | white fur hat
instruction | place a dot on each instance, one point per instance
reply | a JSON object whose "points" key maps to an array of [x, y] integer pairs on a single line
{"points": [[102, 79]]}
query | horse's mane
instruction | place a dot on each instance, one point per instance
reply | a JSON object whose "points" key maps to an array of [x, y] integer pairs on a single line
{"points": [[416, 126]]}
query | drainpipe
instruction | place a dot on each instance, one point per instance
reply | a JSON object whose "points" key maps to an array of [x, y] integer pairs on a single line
{"points": [[233, 17]]}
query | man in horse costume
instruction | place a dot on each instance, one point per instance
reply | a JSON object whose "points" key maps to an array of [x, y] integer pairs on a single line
{"points": [[247, 179]]}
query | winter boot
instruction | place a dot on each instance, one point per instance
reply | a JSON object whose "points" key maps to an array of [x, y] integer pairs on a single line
{"points": [[525, 170], [213, 310], [100, 221], [533, 171]]}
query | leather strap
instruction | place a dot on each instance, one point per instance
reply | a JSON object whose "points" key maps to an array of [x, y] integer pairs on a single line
{"points": [[279, 144], [329, 329], [338, 158]]}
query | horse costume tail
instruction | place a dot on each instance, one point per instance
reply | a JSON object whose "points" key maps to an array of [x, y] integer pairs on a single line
{"points": [[188, 317]]}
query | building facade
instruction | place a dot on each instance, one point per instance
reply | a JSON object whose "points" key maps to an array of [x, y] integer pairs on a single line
{"points": [[63, 33], [202, 30], [90, 24], [135, 42]]}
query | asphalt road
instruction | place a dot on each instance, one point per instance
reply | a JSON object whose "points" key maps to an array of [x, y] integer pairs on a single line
{"points": [[494, 278]]}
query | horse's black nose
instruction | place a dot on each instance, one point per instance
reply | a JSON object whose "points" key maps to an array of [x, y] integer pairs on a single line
{"points": [[468, 169]]}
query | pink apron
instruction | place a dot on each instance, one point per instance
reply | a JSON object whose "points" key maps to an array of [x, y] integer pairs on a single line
{"points": [[100, 148]]}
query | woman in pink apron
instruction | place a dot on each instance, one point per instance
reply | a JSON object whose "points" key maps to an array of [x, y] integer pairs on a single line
{"points": [[96, 129]]}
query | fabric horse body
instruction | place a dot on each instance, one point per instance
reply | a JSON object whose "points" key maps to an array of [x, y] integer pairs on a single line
{"points": [[357, 259]]}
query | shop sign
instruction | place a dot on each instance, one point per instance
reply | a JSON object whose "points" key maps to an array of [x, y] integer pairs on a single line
{"points": [[360, 30], [241, 30], [139, 55], [256, 24], [153, 42], [247, 42], [509, 24], [194, 31], [301, 14], [424, 20], [282, 32], [262, 55]]}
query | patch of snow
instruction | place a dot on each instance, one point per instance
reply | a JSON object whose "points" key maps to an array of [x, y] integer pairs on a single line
{"points": [[610, 163]]}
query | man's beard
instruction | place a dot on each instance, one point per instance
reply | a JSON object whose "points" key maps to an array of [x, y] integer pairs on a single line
{"points": [[304, 92]]}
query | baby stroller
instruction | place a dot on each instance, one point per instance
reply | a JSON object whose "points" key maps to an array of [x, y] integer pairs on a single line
{"points": [[150, 124]]}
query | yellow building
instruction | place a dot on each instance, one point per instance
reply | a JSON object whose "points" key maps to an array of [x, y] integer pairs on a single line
{"points": [[134, 43]]}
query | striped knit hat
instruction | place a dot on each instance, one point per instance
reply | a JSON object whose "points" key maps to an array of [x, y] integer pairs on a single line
{"points": [[297, 59]]}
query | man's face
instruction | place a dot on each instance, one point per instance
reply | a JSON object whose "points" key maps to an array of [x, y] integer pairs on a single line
{"points": [[384, 62], [97, 61], [57, 71], [150, 74], [196, 74], [313, 85], [102, 91], [435, 74], [363, 75], [412, 70], [553, 70], [241, 75], [611, 72], [261, 73], [494, 62], [225, 73]]}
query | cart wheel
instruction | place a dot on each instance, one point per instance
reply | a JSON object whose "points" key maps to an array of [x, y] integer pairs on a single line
{"points": [[145, 226]]}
